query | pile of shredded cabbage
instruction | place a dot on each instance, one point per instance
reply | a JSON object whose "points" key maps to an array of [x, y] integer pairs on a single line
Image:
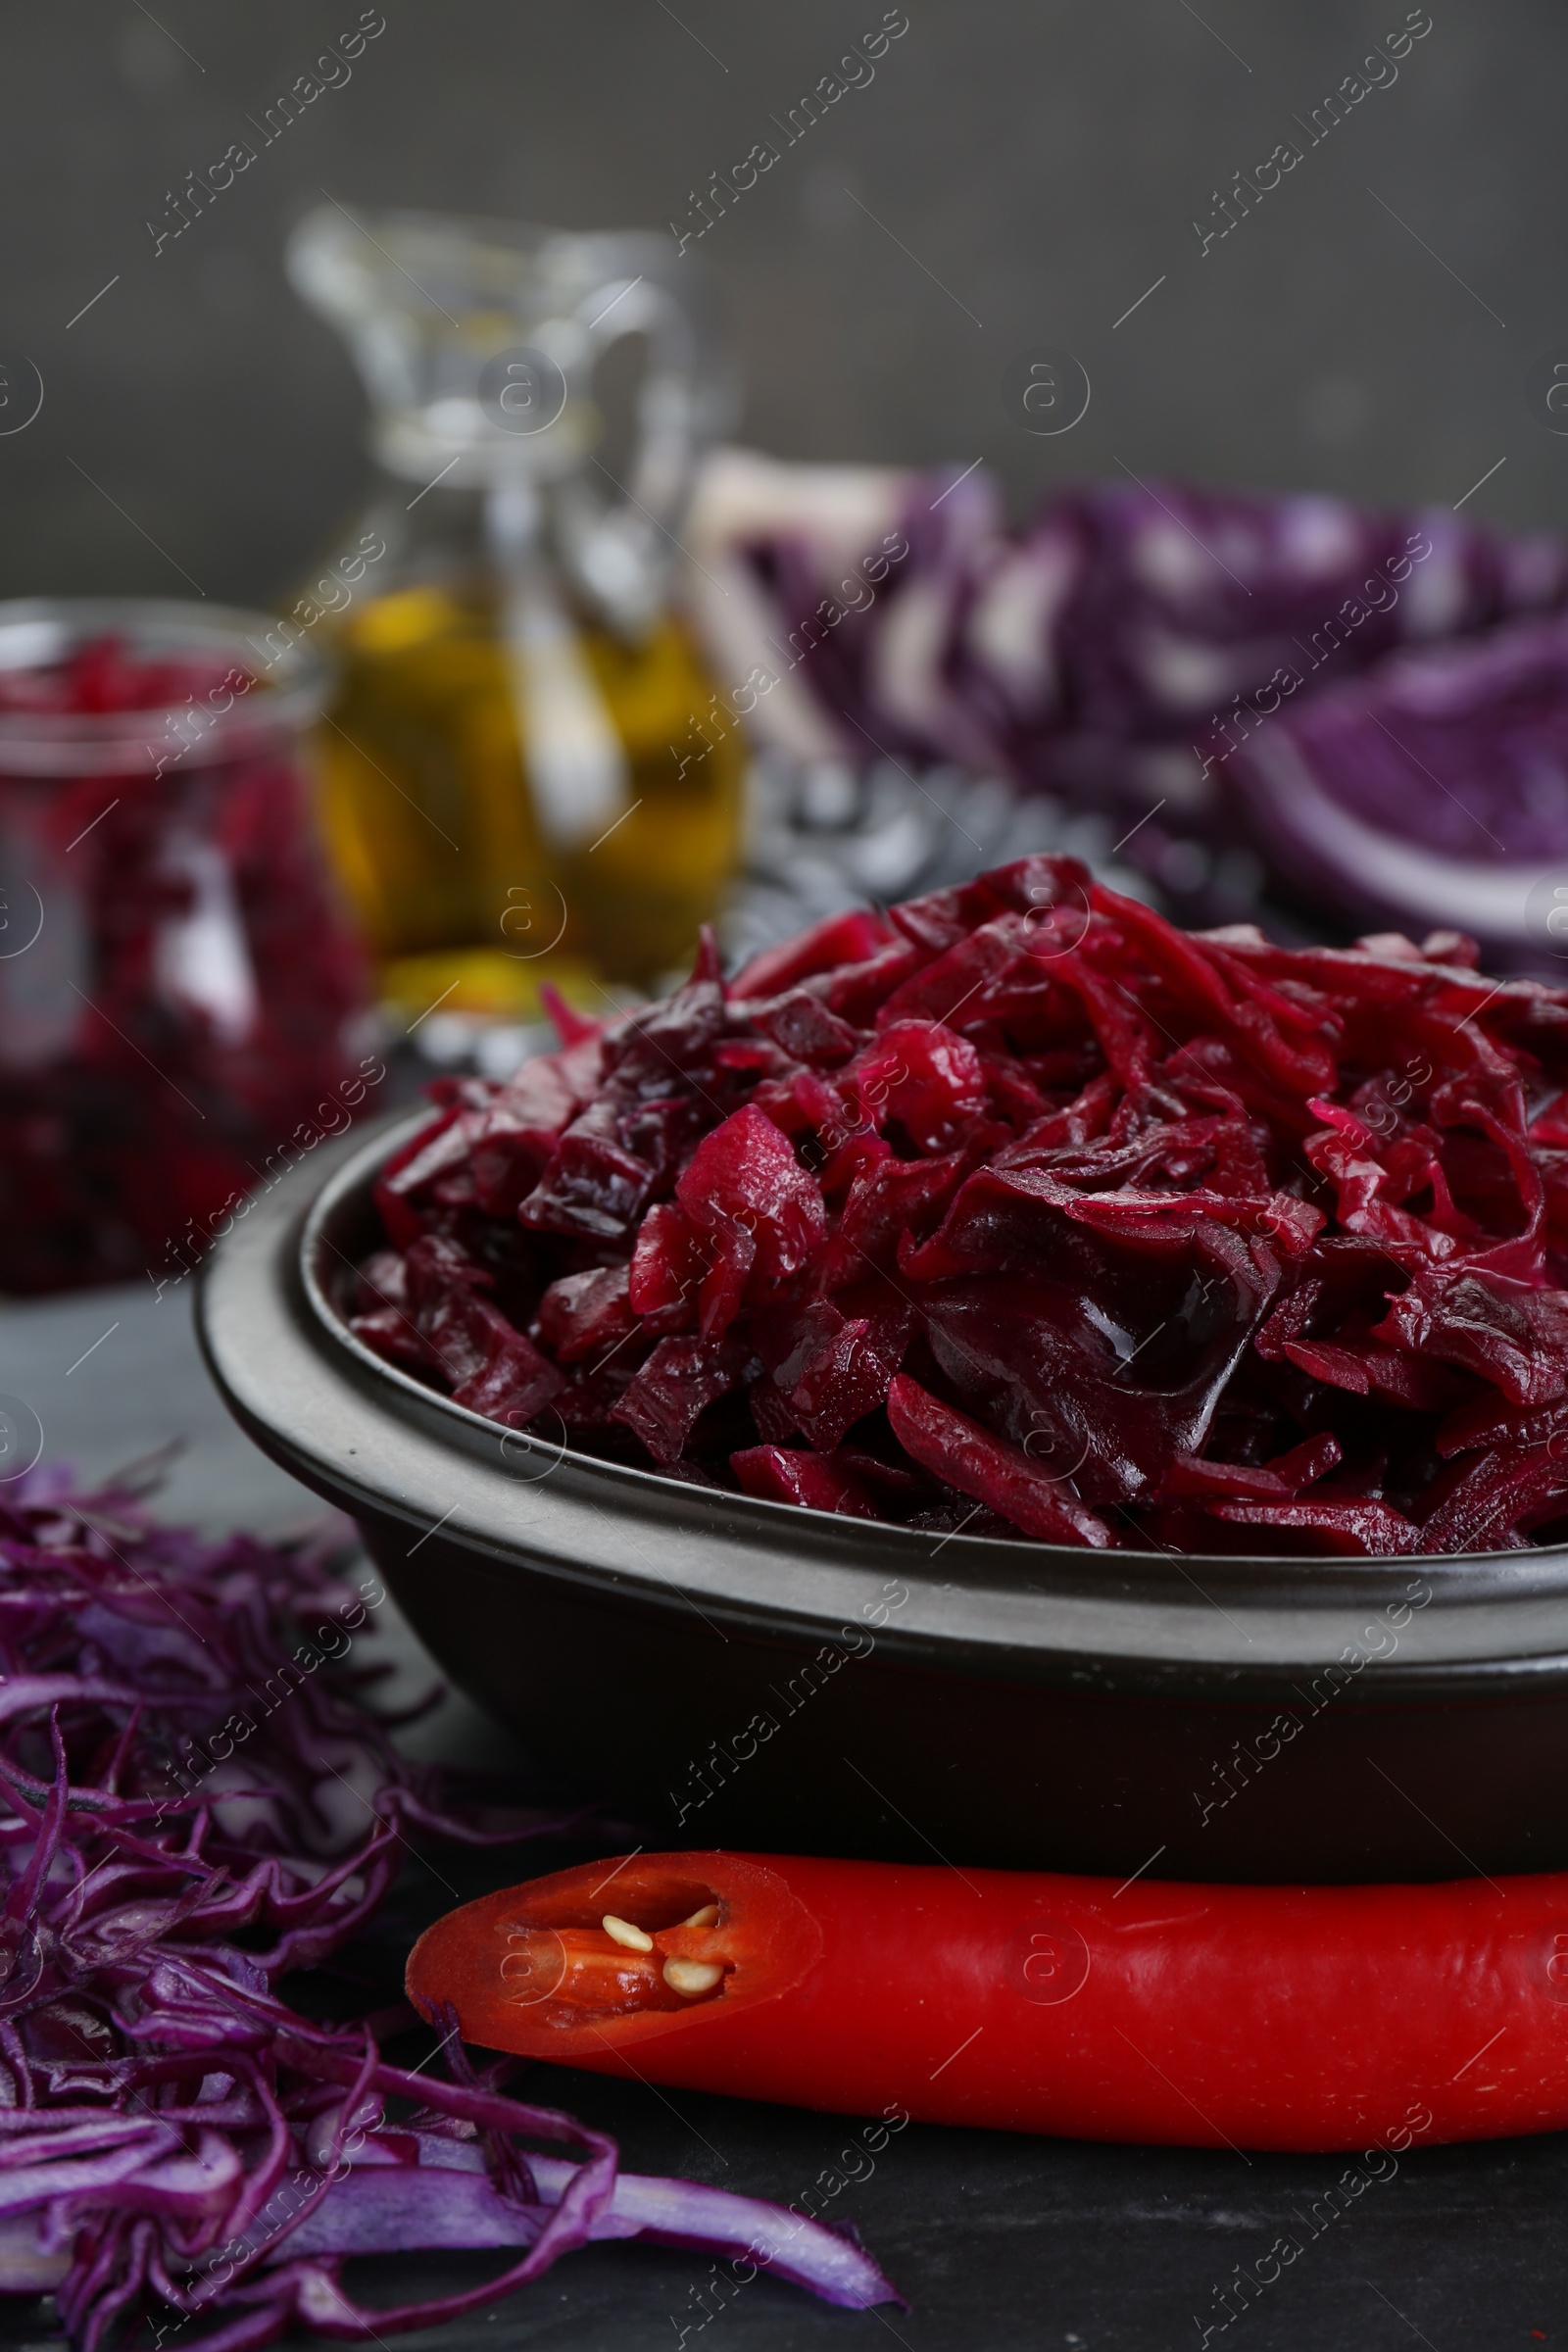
{"points": [[195, 1804]]}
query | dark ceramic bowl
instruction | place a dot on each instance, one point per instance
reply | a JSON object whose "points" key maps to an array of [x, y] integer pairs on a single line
{"points": [[741, 1673]]}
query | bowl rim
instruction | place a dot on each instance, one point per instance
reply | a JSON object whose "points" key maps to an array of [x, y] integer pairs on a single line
{"points": [[1149, 1622]]}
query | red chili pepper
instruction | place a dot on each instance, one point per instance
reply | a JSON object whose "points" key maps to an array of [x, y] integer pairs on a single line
{"points": [[1263, 2017]]}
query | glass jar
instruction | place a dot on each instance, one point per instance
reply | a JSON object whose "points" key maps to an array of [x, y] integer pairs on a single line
{"points": [[183, 999], [522, 757]]}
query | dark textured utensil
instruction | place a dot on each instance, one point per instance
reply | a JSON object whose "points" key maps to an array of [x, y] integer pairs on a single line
{"points": [[741, 1673]]}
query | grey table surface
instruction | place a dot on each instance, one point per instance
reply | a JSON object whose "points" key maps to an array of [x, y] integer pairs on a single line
{"points": [[997, 2241]]}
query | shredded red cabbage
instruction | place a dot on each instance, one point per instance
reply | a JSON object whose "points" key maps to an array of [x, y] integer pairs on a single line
{"points": [[1026, 1211], [191, 1809], [187, 1015]]}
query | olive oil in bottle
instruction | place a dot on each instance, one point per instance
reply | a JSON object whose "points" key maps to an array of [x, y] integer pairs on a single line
{"points": [[516, 763]]}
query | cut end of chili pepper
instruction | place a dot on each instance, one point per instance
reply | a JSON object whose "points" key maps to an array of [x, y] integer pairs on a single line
{"points": [[591, 1973], [545, 1970]]}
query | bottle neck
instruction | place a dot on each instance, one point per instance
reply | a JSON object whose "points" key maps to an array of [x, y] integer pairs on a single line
{"points": [[474, 538]]}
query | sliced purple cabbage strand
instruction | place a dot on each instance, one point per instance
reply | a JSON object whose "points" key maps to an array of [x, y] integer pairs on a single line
{"points": [[191, 1810]]}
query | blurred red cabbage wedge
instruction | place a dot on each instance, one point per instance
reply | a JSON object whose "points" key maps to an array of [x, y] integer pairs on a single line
{"points": [[1429, 795]]}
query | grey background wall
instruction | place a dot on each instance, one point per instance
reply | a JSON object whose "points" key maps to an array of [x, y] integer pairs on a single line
{"points": [[1017, 174]]}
